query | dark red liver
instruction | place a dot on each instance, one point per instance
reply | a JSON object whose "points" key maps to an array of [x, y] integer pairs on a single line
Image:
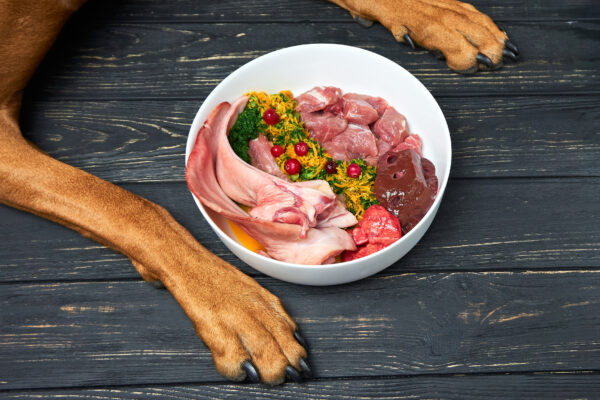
{"points": [[402, 187]]}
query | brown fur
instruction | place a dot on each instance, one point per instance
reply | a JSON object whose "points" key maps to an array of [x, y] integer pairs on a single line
{"points": [[455, 29], [236, 318]]}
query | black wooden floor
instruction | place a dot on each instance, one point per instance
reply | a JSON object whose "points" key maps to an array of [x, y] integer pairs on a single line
{"points": [[500, 299]]}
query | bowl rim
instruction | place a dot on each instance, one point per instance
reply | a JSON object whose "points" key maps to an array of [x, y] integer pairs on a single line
{"points": [[197, 124]]}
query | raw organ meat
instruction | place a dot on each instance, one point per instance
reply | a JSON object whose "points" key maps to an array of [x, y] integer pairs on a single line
{"points": [[402, 188]]}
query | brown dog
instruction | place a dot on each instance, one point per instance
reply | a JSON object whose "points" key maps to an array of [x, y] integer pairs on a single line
{"points": [[244, 326]]}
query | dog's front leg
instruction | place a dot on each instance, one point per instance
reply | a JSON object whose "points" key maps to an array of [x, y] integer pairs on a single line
{"points": [[237, 319], [245, 327]]}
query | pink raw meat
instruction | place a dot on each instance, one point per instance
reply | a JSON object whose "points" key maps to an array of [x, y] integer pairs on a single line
{"points": [[391, 127], [379, 104], [335, 108], [212, 157], [412, 142], [336, 216], [317, 98], [355, 142], [359, 112], [323, 126], [259, 151], [383, 146]]}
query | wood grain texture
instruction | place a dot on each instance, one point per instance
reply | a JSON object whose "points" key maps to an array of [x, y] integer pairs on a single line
{"points": [[78, 334], [541, 386], [499, 299], [481, 225], [144, 141], [314, 10], [177, 61]]}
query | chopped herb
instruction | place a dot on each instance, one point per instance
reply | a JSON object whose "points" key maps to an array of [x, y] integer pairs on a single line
{"points": [[243, 131]]}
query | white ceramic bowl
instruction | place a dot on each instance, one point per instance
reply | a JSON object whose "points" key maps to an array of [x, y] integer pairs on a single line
{"points": [[300, 68]]}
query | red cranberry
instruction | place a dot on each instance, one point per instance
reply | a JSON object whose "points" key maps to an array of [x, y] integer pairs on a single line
{"points": [[301, 148], [292, 166], [331, 167], [276, 150], [353, 170], [270, 116]]}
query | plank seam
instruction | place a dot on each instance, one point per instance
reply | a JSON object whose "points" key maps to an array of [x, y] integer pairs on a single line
{"points": [[327, 379], [124, 21], [375, 277], [591, 94]]}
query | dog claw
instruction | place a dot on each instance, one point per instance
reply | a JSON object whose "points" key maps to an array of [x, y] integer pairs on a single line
{"points": [[292, 374], [509, 54], [251, 372], [438, 54], [306, 371], [157, 284], [300, 340], [511, 46], [408, 40], [485, 60], [365, 23]]}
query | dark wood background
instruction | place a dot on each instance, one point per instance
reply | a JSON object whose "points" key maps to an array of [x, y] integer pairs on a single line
{"points": [[500, 299]]}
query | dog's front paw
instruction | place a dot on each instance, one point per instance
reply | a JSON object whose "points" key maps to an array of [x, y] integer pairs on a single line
{"points": [[246, 328], [468, 39]]}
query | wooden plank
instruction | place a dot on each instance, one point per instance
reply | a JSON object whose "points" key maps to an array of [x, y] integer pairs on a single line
{"points": [[481, 225], [514, 386], [144, 141], [311, 10], [123, 61], [99, 333]]}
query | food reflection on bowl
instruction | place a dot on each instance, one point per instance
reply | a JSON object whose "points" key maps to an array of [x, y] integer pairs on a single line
{"points": [[299, 69]]}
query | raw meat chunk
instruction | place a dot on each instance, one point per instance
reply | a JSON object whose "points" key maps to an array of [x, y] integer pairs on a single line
{"points": [[259, 151], [318, 98], [377, 230], [412, 142], [391, 127], [359, 112], [377, 103], [401, 187], [356, 141], [336, 108], [323, 126], [429, 173]]}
